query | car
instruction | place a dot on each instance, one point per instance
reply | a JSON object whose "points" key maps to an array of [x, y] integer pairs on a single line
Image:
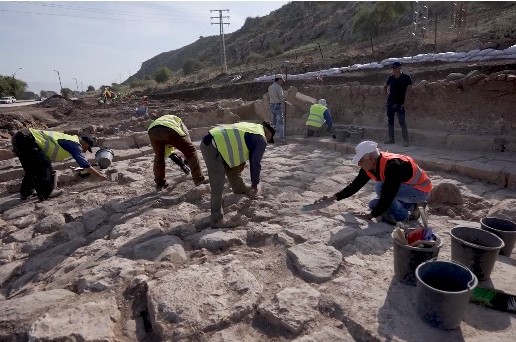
{"points": [[6, 99]]}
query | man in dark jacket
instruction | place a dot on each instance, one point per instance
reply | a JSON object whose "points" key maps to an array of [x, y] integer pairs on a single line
{"points": [[396, 89]]}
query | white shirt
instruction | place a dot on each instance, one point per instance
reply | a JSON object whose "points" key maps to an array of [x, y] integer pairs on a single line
{"points": [[276, 94]]}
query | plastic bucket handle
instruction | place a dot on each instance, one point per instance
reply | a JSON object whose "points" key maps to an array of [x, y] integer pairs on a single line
{"points": [[472, 283]]}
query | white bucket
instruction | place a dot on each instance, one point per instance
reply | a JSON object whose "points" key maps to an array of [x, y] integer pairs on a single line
{"points": [[104, 156]]}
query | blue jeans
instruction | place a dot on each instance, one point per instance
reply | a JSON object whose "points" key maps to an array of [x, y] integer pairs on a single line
{"points": [[405, 200], [278, 119], [392, 109]]}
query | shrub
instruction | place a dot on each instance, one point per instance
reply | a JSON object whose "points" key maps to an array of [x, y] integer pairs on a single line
{"points": [[90, 88], [163, 75], [190, 65], [66, 92]]}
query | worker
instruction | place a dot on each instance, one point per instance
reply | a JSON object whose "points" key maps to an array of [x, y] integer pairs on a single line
{"points": [[319, 116], [400, 184], [37, 149], [226, 149], [276, 99], [166, 133]]}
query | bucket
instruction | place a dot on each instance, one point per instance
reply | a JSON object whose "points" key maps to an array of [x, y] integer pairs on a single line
{"points": [[443, 291], [104, 156], [477, 249], [341, 134], [407, 259], [504, 229]]}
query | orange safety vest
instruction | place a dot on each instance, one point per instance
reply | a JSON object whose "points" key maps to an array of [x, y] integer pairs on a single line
{"points": [[419, 178]]}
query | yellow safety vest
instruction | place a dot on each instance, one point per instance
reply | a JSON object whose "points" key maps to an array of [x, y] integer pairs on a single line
{"points": [[230, 142], [170, 121], [316, 117], [47, 141]]}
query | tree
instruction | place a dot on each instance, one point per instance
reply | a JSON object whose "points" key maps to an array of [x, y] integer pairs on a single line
{"points": [[372, 16], [10, 86], [190, 65], [66, 92], [163, 75], [90, 88]]}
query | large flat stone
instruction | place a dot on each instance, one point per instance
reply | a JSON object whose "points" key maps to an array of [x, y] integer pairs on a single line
{"points": [[486, 172], [315, 261]]}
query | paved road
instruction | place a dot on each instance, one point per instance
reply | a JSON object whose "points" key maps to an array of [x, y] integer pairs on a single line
{"points": [[18, 104]]}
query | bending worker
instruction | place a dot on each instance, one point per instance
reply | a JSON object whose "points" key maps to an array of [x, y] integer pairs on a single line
{"points": [[319, 116], [400, 184], [225, 149], [165, 133], [37, 150]]}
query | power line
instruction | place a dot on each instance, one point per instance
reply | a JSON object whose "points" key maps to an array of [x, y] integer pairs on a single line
{"points": [[221, 24]]}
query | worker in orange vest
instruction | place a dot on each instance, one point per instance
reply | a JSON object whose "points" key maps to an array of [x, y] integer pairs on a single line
{"points": [[400, 184]]}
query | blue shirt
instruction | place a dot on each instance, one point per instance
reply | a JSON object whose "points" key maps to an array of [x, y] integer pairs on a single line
{"points": [[76, 151], [327, 118]]}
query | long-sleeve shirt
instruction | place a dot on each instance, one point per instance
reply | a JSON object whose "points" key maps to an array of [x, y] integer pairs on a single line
{"points": [[76, 151], [397, 171], [276, 94], [327, 118], [256, 145]]}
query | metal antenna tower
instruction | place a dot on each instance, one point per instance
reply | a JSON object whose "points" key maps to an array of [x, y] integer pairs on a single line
{"points": [[221, 24], [419, 20], [459, 15]]}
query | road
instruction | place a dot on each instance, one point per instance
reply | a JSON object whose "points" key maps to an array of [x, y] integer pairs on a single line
{"points": [[19, 103]]}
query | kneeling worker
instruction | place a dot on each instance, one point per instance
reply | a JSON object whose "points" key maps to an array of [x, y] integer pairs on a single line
{"points": [[319, 116], [165, 133], [37, 150], [225, 149], [400, 184]]}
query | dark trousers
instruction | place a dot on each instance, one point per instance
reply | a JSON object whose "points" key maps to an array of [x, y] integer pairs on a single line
{"points": [[36, 164], [160, 136], [392, 109]]}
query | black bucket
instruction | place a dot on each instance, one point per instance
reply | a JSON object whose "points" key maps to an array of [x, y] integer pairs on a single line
{"points": [[407, 259], [504, 229], [443, 291], [475, 248]]}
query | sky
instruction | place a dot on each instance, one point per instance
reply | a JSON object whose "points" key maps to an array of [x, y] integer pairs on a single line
{"points": [[104, 42]]}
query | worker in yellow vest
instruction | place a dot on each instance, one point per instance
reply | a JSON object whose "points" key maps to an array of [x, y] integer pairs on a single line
{"points": [[319, 116], [166, 133], [226, 149], [400, 184], [37, 149]]}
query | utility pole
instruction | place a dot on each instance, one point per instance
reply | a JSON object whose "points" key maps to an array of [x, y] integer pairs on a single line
{"points": [[221, 24], [14, 81], [82, 89], [60, 85], [76, 84]]}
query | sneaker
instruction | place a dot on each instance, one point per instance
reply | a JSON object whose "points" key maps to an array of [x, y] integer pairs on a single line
{"points": [[161, 186], [202, 181], [389, 142], [389, 218], [56, 193]]}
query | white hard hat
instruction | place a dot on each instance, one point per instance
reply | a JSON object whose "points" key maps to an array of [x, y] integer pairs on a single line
{"points": [[322, 102]]}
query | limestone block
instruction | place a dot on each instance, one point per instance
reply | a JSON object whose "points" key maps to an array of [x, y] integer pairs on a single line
{"points": [[472, 73], [473, 143], [454, 76], [474, 79], [260, 111], [234, 103], [500, 86], [302, 102], [168, 248], [120, 142], [141, 139], [199, 132], [510, 176], [501, 77], [435, 163], [216, 239], [486, 172], [246, 112], [511, 78], [315, 261], [50, 224], [6, 154]]}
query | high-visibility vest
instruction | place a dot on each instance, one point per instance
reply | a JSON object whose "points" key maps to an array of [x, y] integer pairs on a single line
{"points": [[47, 141], [229, 140], [170, 121], [316, 117], [419, 179]]}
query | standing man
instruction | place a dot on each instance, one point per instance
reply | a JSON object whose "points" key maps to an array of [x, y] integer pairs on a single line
{"points": [[400, 184], [37, 150], [276, 99], [225, 149], [165, 133], [319, 115], [396, 88]]}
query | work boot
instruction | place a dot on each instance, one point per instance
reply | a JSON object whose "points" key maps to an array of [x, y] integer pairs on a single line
{"points": [[161, 186], [201, 181], [389, 218]]}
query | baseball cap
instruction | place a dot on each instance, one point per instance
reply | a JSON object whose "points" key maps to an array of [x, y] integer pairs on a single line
{"points": [[364, 148], [396, 64], [322, 102], [88, 141], [271, 128]]}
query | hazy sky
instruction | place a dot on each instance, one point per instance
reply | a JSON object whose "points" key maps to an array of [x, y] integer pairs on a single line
{"points": [[104, 42]]}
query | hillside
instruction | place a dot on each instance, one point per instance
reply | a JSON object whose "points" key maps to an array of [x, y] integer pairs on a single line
{"points": [[321, 33]]}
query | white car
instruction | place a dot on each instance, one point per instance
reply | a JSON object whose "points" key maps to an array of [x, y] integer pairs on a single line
{"points": [[7, 99]]}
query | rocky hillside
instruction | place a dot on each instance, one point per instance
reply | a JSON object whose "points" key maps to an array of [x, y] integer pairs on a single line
{"points": [[297, 29]]}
